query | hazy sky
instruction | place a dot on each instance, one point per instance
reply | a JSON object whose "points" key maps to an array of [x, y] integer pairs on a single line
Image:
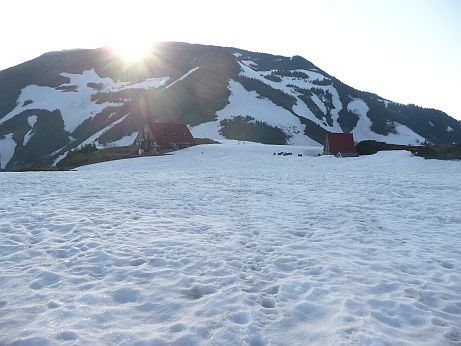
{"points": [[407, 51]]}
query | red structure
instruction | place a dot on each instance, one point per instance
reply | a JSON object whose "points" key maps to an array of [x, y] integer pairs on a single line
{"points": [[163, 136], [340, 144]]}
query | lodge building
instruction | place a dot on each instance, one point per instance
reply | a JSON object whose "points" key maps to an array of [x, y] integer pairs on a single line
{"points": [[155, 137], [340, 145]]}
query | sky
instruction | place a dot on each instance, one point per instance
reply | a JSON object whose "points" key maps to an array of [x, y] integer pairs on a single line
{"points": [[407, 51]]}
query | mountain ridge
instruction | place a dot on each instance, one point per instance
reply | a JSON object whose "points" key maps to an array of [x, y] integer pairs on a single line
{"points": [[61, 100]]}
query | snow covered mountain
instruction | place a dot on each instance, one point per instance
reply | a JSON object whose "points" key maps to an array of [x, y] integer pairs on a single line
{"points": [[61, 100]]}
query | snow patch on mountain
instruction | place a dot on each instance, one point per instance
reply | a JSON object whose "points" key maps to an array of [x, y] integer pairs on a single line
{"points": [[31, 120], [362, 131], [75, 107], [286, 85], [149, 83], [184, 76], [249, 72], [123, 142], [7, 147], [385, 102], [106, 84], [319, 103], [59, 158], [243, 102], [74, 99], [249, 63], [94, 138]]}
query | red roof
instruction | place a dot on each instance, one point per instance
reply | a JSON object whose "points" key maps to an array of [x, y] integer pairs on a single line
{"points": [[168, 133], [341, 143]]}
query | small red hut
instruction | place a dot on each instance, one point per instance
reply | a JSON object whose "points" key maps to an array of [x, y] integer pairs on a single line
{"points": [[163, 136], [340, 144]]}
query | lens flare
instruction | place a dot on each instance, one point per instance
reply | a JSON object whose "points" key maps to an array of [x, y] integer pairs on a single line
{"points": [[132, 50]]}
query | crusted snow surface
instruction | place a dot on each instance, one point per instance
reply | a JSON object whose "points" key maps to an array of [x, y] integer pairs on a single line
{"points": [[243, 102], [31, 121], [231, 245], [362, 131], [75, 106], [7, 147]]}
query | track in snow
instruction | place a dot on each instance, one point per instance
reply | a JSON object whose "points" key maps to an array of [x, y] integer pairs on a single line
{"points": [[233, 246]]}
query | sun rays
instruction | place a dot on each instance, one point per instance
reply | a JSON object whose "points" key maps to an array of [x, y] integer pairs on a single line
{"points": [[133, 50]]}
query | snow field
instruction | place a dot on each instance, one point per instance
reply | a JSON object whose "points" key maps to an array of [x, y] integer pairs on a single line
{"points": [[229, 244]]}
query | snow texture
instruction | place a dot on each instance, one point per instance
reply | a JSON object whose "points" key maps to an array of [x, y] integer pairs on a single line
{"points": [[7, 147], [231, 245]]}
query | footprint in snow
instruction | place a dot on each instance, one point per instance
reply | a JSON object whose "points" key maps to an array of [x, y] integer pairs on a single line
{"points": [[447, 265], [198, 291], [126, 295], [272, 290], [268, 303], [240, 317], [300, 234], [67, 335], [137, 262]]}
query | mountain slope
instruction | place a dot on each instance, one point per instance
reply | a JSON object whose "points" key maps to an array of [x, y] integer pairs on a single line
{"points": [[61, 100]]}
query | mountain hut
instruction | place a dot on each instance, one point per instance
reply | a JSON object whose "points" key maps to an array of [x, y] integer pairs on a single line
{"points": [[163, 136], [340, 145]]}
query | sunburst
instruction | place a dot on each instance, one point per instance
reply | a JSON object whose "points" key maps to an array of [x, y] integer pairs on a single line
{"points": [[133, 50]]}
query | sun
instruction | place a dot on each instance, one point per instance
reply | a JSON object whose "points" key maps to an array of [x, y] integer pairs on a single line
{"points": [[133, 50]]}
